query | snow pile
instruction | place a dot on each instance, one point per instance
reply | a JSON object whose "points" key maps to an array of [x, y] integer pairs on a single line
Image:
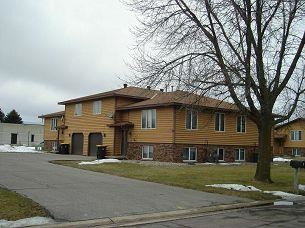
{"points": [[34, 221], [18, 149], [224, 164], [285, 195], [100, 161], [302, 187], [237, 187], [278, 159]]}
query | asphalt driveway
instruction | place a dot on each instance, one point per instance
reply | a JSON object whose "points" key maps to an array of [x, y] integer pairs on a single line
{"points": [[72, 194]]}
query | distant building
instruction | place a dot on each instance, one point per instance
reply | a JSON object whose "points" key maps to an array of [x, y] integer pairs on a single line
{"points": [[289, 139], [21, 134], [53, 130]]}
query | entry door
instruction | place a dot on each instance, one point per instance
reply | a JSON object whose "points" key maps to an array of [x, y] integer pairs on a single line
{"points": [[124, 142], [13, 138], [94, 139], [77, 143]]}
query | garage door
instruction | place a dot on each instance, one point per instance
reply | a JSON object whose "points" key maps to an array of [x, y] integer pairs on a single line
{"points": [[94, 139], [77, 143]]}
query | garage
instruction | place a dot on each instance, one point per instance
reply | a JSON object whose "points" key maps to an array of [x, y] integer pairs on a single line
{"points": [[94, 139], [77, 143]]}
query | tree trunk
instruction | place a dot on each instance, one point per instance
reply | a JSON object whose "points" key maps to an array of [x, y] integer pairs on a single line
{"points": [[265, 154]]}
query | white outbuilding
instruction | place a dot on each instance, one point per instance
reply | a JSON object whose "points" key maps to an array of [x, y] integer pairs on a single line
{"points": [[21, 134]]}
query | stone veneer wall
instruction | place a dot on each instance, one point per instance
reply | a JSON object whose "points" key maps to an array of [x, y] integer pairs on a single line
{"points": [[173, 152], [48, 145]]}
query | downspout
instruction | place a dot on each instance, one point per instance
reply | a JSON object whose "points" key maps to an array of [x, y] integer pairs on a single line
{"points": [[174, 133]]}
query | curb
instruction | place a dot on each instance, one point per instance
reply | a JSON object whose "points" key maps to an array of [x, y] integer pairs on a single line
{"points": [[132, 220]]}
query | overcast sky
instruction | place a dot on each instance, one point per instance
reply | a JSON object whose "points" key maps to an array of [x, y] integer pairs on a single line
{"points": [[53, 50]]}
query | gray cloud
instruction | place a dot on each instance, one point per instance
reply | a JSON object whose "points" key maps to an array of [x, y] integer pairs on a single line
{"points": [[52, 50]]}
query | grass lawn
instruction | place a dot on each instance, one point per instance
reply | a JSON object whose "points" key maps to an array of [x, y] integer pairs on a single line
{"points": [[197, 176], [14, 206]]}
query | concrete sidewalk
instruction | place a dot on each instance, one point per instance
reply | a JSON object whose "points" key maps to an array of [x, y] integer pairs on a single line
{"points": [[73, 194]]}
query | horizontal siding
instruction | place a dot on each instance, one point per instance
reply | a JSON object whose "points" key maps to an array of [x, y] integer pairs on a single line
{"points": [[206, 134], [88, 123], [164, 126], [52, 135], [123, 101]]}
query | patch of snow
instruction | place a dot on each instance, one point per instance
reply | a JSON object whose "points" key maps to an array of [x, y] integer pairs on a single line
{"points": [[302, 187], [18, 149], [230, 163], [34, 221], [237, 187], [100, 161], [279, 159], [221, 163], [283, 203], [285, 195]]}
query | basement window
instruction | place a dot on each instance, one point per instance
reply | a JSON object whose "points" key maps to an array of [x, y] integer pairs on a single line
{"points": [[147, 152], [190, 154]]}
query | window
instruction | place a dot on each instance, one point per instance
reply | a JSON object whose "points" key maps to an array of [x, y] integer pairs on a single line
{"points": [[296, 135], [219, 122], [147, 152], [53, 124], [97, 107], [149, 118], [296, 152], [190, 154], [241, 124], [239, 154], [32, 138], [221, 154], [54, 146], [78, 109], [191, 118]]}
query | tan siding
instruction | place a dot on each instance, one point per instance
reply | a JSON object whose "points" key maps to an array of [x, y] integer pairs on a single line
{"points": [[163, 131], [300, 125], [52, 135], [206, 131], [88, 123], [123, 101]]}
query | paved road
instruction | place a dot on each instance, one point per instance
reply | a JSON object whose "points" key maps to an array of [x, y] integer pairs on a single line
{"points": [[271, 216], [72, 194]]}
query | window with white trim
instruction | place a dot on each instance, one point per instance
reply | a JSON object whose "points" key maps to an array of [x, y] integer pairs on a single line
{"points": [[296, 135], [241, 124], [147, 152], [191, 119], [78, 109], [219, 122], [97, 107], [149, 118], [53, 124], [296, 152], [240, 154], [220, 154], [54, 145], [189, 154]]}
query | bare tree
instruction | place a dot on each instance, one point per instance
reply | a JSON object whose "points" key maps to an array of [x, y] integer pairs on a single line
{"points": [[250, 51]]}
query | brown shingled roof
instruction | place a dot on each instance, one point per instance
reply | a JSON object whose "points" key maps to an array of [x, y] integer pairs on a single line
{"points": [[54, 114], [181, 98], [130, 92]]}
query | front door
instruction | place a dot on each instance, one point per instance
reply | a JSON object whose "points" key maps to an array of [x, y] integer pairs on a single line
{"points": [[124, 142], [13, 138]]}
